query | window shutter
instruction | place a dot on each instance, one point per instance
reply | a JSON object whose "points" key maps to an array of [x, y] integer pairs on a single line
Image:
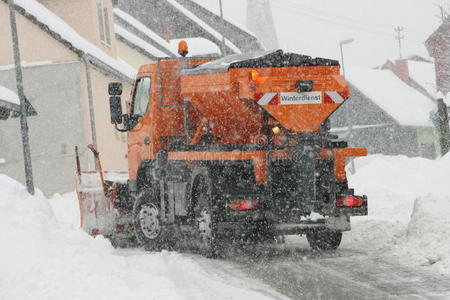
{"points": [[100, 21], [106, 23]]}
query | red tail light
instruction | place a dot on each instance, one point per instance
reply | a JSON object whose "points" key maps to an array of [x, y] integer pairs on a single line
{"points": [[244, 204], [350, 201]]}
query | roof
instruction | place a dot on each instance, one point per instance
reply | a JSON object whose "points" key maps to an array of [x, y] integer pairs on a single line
{"points": [[421, 71], [424, 74], [179, 19], [127, 28], [10, 100], [9, 96], [138, 42], [146, 33], [61, 31], [204, 25], [419, 58], [214, 8], [403, 103]]}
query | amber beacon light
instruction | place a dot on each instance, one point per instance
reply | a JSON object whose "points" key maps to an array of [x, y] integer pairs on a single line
{"points": [[183, 48]]}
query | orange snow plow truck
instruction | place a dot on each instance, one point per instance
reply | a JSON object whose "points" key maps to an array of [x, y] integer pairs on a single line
{"points": [[237, 147]]}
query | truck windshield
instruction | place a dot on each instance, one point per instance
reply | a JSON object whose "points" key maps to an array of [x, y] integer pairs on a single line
{"points": [[141, 96]]}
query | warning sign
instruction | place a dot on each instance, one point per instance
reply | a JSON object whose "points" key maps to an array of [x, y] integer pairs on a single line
{"points": [[301, 98]]}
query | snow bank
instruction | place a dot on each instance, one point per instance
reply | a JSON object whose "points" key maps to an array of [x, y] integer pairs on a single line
{"points": [[428, 233], [409, 208], [44, 255], [394, 182]]}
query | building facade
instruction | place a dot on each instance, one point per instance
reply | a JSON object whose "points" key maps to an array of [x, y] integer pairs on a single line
{"points": [[178, 19], [68, 60], [438, 46], [386, 115]]}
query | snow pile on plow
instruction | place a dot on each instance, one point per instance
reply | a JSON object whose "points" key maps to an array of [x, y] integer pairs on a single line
{"points": [[410, 208], [44, 256]]}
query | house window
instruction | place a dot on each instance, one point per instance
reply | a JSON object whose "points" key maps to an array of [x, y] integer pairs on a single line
{"points": [[103, 23]]}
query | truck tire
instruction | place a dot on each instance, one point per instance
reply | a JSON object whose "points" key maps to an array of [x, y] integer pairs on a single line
{"points": [[205, 217], [322, 240], [120, 242], [149, 230]]}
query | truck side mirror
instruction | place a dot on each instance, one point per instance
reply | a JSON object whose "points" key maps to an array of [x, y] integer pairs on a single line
{"points": [[115, 109], [115, 88]]}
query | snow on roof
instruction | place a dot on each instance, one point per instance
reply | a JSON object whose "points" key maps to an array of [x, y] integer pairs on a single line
{"points": [[402, 102], [205, 26], [215, 9], [9, 96], [25, 64], [346, 128], [424, 74], [197, 46], [56, 24], [144, 29], [138, 41]]}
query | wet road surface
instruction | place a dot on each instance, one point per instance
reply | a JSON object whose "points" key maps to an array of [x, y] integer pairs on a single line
{"points": [[295, 271]]}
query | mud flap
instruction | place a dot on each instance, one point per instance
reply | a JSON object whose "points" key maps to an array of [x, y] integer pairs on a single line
{"points": [[341, 223]]}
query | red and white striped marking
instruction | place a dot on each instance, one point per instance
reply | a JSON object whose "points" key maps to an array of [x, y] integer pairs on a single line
{"points": [[274, 98], [334, 97], [267, 98]]}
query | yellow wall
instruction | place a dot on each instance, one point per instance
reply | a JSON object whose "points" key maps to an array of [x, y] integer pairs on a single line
{"points": [[82, 16], [35, 44], [111, 144], [428, 135], [130, 55]]}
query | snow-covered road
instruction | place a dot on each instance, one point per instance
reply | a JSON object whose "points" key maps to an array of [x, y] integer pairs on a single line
{"points": [[349, 273], [401, 250]]}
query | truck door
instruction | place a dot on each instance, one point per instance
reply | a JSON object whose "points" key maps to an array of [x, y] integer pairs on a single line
{"points": [[139, 135]]}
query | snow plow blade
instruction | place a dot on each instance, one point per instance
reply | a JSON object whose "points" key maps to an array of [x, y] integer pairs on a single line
{"points": [[97, 212]]}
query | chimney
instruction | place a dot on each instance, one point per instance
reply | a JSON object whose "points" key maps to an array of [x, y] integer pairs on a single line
{"points": [[401, 69]]}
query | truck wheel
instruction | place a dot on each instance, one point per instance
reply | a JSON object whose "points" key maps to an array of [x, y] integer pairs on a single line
{"points": [[148, 228], [205, 219], [324, 240]]}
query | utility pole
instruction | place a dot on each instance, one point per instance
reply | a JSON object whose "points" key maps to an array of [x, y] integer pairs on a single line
{"points": [[20, 92], [347, 115], [399, 37], [223, 35]]}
